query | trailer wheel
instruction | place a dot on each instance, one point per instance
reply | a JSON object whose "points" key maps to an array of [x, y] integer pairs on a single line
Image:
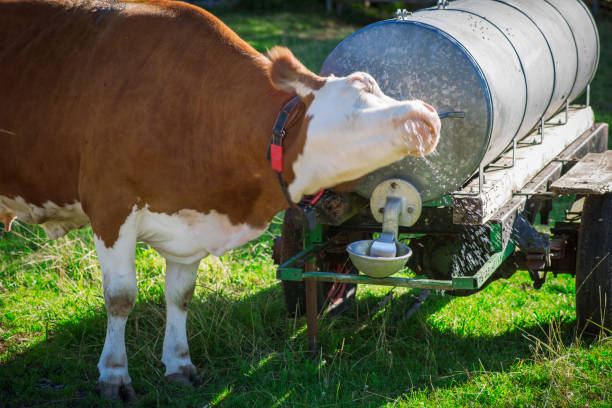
{"points": [[332, 297], [594, 265]]}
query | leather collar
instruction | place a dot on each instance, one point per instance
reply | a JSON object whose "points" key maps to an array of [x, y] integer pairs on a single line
{"points": [[275, 150], [275, 157]]}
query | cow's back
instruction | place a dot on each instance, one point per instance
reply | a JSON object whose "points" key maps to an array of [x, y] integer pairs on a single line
{"points": [[124, 100], [67, 78], [40, 101]]}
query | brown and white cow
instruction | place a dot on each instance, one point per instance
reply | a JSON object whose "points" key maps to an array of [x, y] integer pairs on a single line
{"points": [[150, 121]]}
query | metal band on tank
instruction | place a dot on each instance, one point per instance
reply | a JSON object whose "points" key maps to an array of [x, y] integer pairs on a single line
{"points": [[517, 56], [575, 47], [549, 50], [588, 12], [483, 80]]}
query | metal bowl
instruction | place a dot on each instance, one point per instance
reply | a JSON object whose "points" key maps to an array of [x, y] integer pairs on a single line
{"points": [[377, 267]]}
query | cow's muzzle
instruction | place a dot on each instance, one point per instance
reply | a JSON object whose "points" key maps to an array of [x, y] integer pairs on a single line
{"points": [[420, 129]]}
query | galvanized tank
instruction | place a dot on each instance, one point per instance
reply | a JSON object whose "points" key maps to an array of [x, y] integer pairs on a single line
{"points": [[506, 63]]}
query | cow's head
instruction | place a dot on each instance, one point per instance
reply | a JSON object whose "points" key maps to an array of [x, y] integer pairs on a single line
{"points": [[352, 127]]}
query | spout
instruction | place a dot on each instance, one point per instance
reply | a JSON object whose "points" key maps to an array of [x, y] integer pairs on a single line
{"points": [[385, 245], [391, 214]]}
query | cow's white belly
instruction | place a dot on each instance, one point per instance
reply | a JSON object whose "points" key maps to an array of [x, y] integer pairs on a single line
{"points": [[183, 237], [188, 235], [56, 220]]}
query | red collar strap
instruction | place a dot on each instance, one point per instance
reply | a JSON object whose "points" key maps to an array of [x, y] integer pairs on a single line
{"points": [[275, 156], [275, 150]]}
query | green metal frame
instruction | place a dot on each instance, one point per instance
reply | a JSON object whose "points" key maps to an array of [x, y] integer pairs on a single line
{"points": [[446, 201], [293, 269], [477, 280]]}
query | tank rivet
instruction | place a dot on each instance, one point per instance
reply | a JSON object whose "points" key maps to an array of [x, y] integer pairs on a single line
{"points": [[394, 185], [409, 210], [381, 210]]}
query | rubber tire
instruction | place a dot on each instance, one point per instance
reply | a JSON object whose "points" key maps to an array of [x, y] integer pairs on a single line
{"points": [[295, 292], [594, 266]]}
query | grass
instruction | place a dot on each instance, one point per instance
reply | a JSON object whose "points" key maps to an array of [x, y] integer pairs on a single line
{"points": [[508, 345], [310, 36], [473, 351]]}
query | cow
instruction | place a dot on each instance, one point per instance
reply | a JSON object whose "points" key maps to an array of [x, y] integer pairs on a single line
{"points": [[151, 121]]}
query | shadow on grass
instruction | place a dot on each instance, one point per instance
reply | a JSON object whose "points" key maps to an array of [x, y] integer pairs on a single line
{"points": [[250, 354]]}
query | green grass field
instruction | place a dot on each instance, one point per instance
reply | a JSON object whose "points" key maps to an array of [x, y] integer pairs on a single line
{"points": [[508, 346]]}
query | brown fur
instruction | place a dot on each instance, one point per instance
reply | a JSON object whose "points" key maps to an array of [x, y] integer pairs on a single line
{"points": [[120, 305], [186, 300], [158, 103], [286, 69], [7, 219]]}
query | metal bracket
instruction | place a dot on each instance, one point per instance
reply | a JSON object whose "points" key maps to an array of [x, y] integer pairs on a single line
{"points": [[452, 115], [481, 182], [410, 205], [535, 142], [566, 109], [588, 98], [543, 123], [402, 14], [588, 95], [541, 131], [536, 245], [544, 194], [503, 166]]}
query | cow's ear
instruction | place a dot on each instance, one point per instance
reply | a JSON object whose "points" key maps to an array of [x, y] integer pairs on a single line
{"points": [[290, 75]]}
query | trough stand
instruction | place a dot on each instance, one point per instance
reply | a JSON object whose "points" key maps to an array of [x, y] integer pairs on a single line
{"points": [[498, 206]]}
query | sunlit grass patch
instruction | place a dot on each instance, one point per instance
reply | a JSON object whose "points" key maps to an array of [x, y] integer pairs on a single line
{"points": [[508, 305]]}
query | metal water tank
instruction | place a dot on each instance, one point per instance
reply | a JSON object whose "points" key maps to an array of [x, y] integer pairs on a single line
{"points": [[505, 63]]}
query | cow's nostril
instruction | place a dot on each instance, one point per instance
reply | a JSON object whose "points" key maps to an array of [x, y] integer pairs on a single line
{"points": [[429, 107], [421, 132]]}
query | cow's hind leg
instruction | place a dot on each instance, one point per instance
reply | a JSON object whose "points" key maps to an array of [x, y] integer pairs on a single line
{"points": [[120, 290], [180, 283]]}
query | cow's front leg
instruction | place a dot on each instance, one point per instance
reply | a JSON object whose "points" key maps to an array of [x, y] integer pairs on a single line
{"points": [[180, 283], [120, 290]]}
